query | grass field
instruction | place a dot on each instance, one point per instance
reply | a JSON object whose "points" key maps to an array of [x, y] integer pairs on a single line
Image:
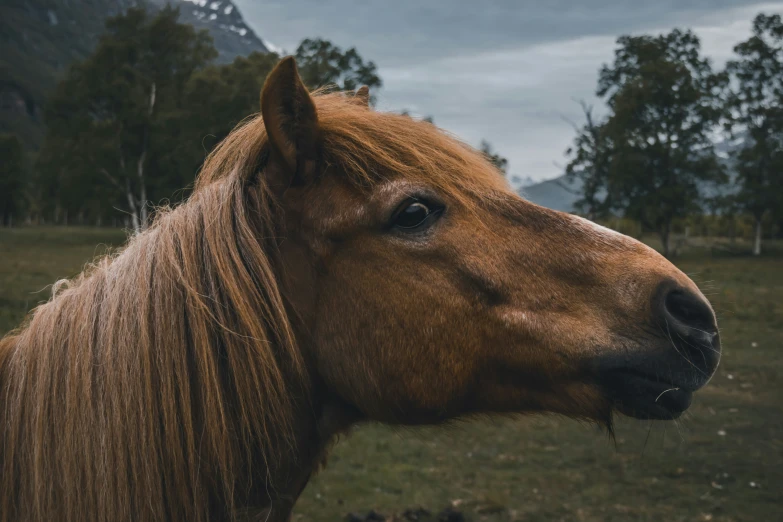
{"points": [[722, 462]]}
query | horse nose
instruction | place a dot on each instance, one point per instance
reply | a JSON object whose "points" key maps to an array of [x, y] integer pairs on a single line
{"points": [[688, 320]]}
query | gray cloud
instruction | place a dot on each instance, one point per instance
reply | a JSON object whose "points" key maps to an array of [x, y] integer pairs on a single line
{"points": [[508, 71]]}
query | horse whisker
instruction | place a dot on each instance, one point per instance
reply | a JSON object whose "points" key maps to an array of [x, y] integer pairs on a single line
{"points": [[664, 391]]}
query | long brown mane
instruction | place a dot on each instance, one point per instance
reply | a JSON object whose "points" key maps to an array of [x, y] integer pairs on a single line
{"points": [[159, 383]]}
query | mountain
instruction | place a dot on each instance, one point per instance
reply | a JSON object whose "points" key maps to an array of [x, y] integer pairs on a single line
{"points": [[557, 193], [519, 182], [41, 38], [233, 37]]}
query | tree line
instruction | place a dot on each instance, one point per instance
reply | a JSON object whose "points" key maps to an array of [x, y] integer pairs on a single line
{"points": [[653, 157], [133, 122]]}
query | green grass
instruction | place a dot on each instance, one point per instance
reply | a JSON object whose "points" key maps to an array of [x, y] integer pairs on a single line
{"points": [[541, 468], [32, 259]]}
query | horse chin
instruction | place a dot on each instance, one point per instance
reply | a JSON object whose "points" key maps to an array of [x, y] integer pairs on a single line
{"points": [[642, 394], [646, 397]]}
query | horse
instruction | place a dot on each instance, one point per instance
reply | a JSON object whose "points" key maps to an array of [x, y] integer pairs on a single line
{"points": [[334, 265]]}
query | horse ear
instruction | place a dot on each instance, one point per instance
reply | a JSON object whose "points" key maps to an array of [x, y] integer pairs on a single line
{"points": [[363, 95], [291, 123]]}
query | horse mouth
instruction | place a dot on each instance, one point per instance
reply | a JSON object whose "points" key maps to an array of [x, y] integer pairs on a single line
{"points": [[646, 395]]}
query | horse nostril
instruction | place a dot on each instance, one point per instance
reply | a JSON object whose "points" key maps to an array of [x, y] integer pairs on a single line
{"points": [[689, 310], [687, 320]]}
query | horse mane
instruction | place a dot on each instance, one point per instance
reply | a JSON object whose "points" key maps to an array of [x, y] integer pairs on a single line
{"points": [[159, 382]]}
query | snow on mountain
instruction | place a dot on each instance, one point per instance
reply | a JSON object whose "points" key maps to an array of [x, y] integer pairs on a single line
{"points": [[233, 37]]}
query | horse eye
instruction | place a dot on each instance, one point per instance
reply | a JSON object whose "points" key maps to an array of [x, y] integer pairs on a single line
{"points": [[415, 215]]}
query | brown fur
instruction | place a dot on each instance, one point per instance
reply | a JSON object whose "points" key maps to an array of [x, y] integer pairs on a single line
{"points": [[201, 372]]}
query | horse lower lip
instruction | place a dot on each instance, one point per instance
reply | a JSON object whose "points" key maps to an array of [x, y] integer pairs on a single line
{"points": [[645, 396]]}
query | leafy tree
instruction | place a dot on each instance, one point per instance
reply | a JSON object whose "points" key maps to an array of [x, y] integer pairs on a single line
{"points": [[755, 108], [322, 63], [13, 172], [232, 93], [496, 159], [665, 102], [107, 120], [591, 158]]}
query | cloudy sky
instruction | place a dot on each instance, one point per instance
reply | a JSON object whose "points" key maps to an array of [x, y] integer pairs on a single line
{"points": [[509, 71]]}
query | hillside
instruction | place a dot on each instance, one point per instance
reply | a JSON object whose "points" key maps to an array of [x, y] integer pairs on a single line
{"points": [[41, 38], [557, 193]]}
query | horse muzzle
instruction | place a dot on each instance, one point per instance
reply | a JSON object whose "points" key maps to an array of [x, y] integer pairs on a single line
{"points": [[657, 380]]}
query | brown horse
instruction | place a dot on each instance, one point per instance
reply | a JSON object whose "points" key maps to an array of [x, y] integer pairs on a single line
{"points": [[334, 265]]}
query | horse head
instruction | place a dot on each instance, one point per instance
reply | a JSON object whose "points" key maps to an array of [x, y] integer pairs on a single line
{"points": [[429, 290]]}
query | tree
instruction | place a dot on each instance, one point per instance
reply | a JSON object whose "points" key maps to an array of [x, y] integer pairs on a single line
{"points": [[107, 120], [12, 178], [322, 63], [664, 103], [496, 159], [232, 90], [591, 157], [755, 109]]}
